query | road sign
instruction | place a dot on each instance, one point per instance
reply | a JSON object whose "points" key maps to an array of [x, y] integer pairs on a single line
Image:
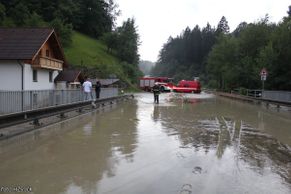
{"points": [[264, 72]]}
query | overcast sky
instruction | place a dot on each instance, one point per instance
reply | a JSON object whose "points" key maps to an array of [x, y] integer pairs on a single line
{"points": [[158, 19]]}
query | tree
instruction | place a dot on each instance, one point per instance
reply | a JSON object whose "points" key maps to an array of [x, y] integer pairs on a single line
{"points": [[233, 60], [222, 64], [19, 14], [111, 40], [97, 16], [92, 17], [128, 42], [281, 67], [34, 21], [239, 29], [2, 12], [222, 26], [64, 31]]}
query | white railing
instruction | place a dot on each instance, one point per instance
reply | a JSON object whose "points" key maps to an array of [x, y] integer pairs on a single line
{"points": [[20, 101]]}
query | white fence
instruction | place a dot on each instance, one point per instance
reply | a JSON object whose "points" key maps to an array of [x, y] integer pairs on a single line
{"points": [[19, 101]]}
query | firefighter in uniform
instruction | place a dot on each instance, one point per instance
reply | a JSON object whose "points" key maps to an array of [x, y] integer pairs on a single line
{"points": [[156, 91]]}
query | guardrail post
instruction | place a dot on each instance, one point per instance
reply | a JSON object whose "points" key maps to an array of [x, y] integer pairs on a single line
{"points": [[62, 115], [62, 97], [31, 100], [36, 122], [22, 100], [53, 96]]}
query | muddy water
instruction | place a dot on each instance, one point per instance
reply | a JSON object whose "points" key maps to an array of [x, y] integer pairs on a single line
{"points": [[186, 144]]}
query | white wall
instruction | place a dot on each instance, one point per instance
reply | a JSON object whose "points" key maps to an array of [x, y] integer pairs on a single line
{"points": [[42, 79], [10, 75]]}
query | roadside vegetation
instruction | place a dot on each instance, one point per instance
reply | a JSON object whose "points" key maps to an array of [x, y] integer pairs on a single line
{"points": [[229, 60], [87, 51]]}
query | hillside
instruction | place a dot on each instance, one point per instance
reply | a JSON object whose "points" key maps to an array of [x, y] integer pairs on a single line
{"points": [[88, 51], [146, 67]]}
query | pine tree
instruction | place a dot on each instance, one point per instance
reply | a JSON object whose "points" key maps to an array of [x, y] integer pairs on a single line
{"points": [[222, 26]]}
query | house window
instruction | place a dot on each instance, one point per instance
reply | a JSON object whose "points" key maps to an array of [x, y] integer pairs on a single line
{"points": [[51, 76], [47, 53], [34, 75]]}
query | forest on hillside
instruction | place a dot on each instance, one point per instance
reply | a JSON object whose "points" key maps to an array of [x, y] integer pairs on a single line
{"points": [[229, 60], [146, 66], [95, 18]]}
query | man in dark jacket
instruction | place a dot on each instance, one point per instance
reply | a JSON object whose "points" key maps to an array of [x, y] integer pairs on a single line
{"points": [[97, 89], [156, 91]]}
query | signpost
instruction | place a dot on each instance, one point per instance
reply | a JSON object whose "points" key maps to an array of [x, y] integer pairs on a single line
{"points": [[264, 75]]}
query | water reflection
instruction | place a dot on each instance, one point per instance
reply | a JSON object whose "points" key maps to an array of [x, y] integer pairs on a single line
{"points": [[244, 133], [73, 161], [210, 145], [124, 134], [156, 113]]}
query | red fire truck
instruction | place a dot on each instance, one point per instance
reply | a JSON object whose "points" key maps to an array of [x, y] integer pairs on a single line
{"points": [[146, 83], [185, 86]]}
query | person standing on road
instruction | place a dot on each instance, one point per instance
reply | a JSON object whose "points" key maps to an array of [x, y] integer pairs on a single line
{"points": [[156, 91], [98, 89], [87, 88]]}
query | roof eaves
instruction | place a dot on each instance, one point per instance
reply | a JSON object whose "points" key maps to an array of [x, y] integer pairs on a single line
{"points": [[35, 55]]}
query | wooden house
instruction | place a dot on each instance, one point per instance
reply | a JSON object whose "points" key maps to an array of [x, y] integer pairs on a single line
{"points": [[30, 58]]}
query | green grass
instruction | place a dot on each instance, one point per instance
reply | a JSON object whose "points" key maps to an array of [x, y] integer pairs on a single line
{"points": [[88, 51]]}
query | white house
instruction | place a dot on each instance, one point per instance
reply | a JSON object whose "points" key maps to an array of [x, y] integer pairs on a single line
{"points": [[30, 58]]}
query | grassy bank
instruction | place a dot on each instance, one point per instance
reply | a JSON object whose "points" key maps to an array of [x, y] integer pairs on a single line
{"points": [[88, 51], [91, 53]]}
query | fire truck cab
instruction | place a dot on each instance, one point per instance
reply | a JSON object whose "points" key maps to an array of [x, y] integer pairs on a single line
{"points": [[185, 86]]}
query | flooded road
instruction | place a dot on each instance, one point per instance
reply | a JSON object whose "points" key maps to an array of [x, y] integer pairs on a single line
{"points": [[189, 144]]}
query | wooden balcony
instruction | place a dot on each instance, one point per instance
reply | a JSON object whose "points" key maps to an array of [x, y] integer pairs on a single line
{"points": [[48, 63]]}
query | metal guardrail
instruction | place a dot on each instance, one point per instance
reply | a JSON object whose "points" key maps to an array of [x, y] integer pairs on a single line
{"points": [[280, 96], [21, 101], [254, 93], [268, 96], [58, 112], [248, 92]]}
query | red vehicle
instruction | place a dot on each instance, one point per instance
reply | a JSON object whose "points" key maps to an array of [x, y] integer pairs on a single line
{"points": [[185, 86], [146, 83]]}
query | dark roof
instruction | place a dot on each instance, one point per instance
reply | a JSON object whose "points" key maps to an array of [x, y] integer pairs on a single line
{"points": [[22, 43], [69, 76]]}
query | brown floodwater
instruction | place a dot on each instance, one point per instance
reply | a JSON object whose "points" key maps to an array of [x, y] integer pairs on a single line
{"points": [[186, 144]]}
